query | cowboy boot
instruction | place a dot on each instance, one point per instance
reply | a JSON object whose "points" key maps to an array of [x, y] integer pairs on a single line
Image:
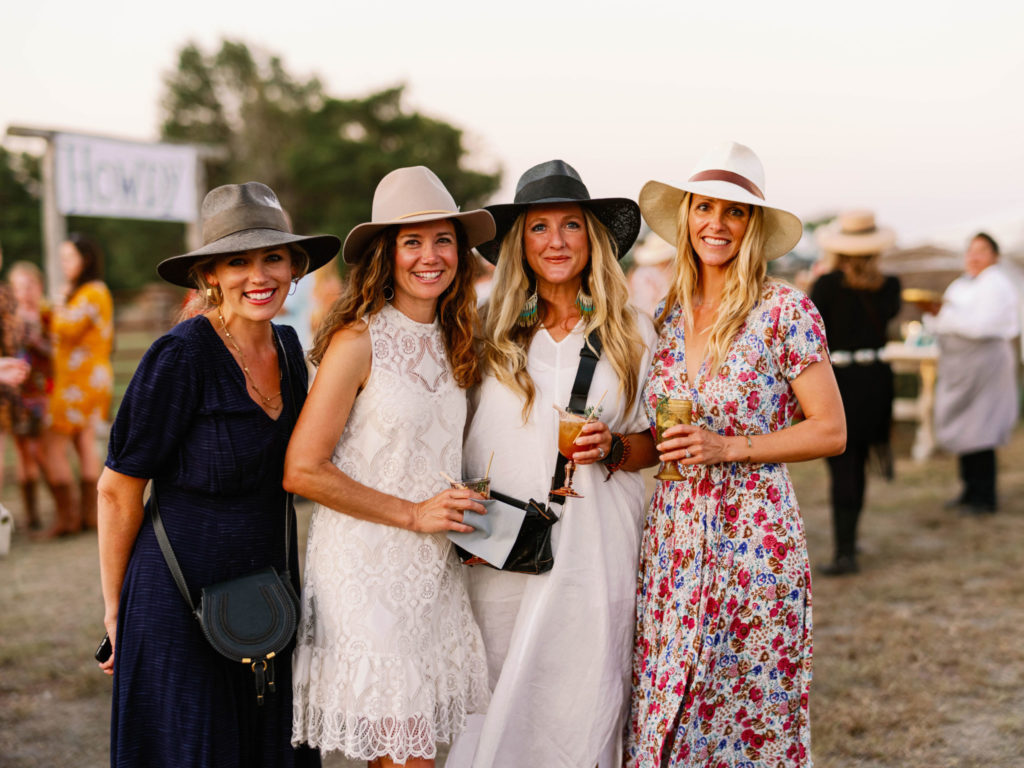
{"points": [[28, 504], [88, 503], [66, 520]]}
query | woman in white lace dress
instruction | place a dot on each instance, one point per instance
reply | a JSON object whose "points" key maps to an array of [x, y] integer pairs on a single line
{"points": [[389, 659]]}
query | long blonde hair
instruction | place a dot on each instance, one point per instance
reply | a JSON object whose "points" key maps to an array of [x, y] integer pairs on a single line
{"points": [[744, 283], [364, 294], [505, 343]]}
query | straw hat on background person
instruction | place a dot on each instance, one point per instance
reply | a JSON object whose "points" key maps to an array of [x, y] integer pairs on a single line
{"points": [[855, 233]]}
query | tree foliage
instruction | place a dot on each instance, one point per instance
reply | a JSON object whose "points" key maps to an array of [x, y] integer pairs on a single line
{"points": [[322, 155], [21, 235]]}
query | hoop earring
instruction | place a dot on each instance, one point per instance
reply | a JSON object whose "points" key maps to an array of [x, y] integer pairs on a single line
{"points": [[215, 295], [585, 303], [389, 293], [528, 315], [295, 287]]}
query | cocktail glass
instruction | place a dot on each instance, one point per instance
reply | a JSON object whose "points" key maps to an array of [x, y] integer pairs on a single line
{"points": [[670, 412], [570, 425]]}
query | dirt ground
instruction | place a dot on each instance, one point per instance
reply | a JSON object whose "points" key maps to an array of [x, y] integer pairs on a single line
{"points": [[918, 659]]}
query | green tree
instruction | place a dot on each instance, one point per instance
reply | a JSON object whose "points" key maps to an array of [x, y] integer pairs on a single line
{"points": [[21, 234], [322, 155]]}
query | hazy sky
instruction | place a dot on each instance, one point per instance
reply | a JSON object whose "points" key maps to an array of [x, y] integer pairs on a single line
{"points": [[912, 108]]}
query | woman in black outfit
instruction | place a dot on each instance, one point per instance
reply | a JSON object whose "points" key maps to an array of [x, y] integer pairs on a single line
{"points": [[856, 302]]}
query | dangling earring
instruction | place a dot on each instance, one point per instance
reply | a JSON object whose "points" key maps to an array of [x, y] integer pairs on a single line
{"points": [[528, 314], [389, 292], [214, 295], [584, 303], [295, 287]]}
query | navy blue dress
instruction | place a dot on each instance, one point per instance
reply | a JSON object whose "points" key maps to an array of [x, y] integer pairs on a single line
{"points": [[217, 461]]}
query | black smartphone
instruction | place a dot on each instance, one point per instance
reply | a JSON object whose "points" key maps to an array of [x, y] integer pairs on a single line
{"points": [[105, 649]]}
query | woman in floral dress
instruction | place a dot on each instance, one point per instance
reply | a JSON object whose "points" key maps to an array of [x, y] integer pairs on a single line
{"points": [[722, 659], [83, 337]]}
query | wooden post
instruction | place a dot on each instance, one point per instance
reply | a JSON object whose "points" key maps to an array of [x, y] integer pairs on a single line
{"points": [[55, 225]]}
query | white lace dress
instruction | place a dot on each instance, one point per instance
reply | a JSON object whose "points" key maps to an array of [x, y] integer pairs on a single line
{"points": [[389, 660]]}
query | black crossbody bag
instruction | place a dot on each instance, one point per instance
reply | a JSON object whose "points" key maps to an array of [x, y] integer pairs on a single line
{"points": [[531, 553], [252, 618]]}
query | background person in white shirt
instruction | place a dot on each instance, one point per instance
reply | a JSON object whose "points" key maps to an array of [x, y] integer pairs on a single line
{"points": [[976, 396]]}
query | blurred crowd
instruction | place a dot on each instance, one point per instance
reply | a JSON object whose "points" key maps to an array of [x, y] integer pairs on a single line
{"points": [[56, 383]]}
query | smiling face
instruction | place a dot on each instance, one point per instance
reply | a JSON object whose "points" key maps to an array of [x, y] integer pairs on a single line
{"points": [[556, 244], [254, 283], [716, 229], [426, 258]]}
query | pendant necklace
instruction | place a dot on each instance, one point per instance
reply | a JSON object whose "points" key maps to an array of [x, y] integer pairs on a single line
{"points": [[268, 401]]}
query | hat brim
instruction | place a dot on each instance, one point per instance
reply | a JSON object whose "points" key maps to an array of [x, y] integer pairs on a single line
{"points": [[833, 240], [479, 226], [659, 203], [619, 214], [320, 248]]}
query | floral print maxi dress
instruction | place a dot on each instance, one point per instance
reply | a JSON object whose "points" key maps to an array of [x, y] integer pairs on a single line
{"points": [[722, 659]]}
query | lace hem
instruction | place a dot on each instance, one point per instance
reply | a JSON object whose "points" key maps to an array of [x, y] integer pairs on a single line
{"points": [[360, 737], [375, 704]]}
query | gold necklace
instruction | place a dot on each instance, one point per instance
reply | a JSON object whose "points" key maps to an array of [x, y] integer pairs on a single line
{"points": [[268, 401]]}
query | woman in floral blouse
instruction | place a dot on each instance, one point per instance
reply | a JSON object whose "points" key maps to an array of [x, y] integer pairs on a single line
{"points": [[722, 660], [83, 332]]}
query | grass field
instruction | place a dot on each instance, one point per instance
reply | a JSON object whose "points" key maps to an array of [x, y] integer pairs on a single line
{"points": [[918, 661]]}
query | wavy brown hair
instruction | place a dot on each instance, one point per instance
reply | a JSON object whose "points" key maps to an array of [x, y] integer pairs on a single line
{"points": [[505, 343], [363, 296]]}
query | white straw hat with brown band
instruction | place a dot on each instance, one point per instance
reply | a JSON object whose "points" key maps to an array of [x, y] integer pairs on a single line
{"points": [[730, 171], [411, 195]]}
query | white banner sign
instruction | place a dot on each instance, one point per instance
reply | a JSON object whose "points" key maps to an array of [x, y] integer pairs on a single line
{"points": [[125, 180]]}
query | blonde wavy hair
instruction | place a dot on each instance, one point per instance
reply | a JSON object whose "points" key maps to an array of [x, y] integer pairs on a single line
{"points": [[363, 295], [744, 283], [504, 343]]}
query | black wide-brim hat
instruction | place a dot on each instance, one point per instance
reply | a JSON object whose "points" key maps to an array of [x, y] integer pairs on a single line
{"points": [[557, 182], [244, 217]]}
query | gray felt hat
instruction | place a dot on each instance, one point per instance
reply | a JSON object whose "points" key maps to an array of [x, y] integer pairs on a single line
{"points": [[244, 217]]}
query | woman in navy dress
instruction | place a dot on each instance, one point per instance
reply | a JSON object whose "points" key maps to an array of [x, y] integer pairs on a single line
{"points": [[207, 418]]}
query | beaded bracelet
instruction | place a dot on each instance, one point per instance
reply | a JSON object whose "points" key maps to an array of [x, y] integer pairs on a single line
{"points": [[626, 450]]}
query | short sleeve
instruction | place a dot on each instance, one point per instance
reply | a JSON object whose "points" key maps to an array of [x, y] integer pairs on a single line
{"points": [[157, 410], [800, 333]]}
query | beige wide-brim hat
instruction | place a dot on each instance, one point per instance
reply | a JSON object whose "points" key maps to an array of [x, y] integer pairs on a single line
{"points": [[854, 233], [244, 217], [410, 195], [729, 171]]}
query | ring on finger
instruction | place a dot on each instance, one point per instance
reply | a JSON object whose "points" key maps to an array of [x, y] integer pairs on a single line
{"points": [[600, 451], [687, 454]]}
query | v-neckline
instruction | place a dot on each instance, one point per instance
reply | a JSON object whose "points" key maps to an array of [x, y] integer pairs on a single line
{"points": [[239, 374]]}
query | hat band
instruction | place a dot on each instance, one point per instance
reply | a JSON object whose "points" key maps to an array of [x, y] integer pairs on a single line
{"points": [[240, 219], [732, 178], [424, 213], [862, 231], [552, 186]]}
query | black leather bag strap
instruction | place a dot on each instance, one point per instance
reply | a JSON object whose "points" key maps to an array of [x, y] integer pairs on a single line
{"points": [[589, 355], [166, 549], [158, 524]]}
